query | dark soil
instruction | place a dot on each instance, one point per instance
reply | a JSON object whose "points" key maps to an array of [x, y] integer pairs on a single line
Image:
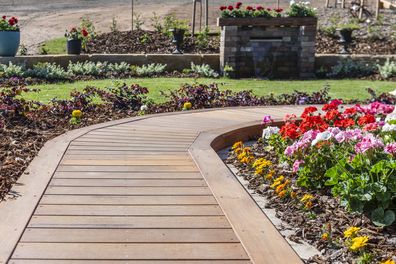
{"points": [[140, 41], [325, 216], [330, 45]]}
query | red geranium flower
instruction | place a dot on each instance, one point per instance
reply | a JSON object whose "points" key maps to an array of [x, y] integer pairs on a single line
{"points": [[249, 8], [230, 8], [332, 114], [289, 130], [278, 10], [11, 22], [350, 111], [269, 9], [309, 110], [366, 119], [84, 32], [222, 8], [15, 19], [238, 5], [4, 17], [259, 8]]}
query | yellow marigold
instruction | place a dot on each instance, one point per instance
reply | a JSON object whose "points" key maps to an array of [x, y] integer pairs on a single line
{"points": [[187, 106], [258, 171], [388, 261], [241, 156], [269, 176], [237, 145], [246, 149], [280, 188], [282, 194], [261, 162], [359, 242], [77, 114], [277, 181], [306, 197], [351, 232], [325, 236]]}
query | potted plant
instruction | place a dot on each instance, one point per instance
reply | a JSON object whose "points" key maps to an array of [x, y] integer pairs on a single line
{"points": [[9, 36], [74, 40]]}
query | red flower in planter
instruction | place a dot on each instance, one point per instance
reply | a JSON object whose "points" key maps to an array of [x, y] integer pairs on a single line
{"points": [[350, 111], [260, 8], [230, 8], [238, 5], [332, 114], [269, 9], [11, 21], [15, 19], [366, 119], [222, 8], [290, 130], [4, 17], [308, 110], [249, 8], [278, 10], [84, 32]]}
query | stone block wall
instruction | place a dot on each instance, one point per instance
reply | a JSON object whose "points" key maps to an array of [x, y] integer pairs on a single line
{"points": [[269, 48]]}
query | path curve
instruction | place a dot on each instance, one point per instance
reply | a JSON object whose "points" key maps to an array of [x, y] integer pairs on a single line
{"points": [[149, 189]]}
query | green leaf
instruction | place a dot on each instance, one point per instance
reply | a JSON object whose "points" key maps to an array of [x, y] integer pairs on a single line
{"points": [[380, 217], [356, 205]]}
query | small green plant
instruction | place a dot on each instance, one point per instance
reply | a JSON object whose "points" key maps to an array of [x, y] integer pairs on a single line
{"points": [[114, 25], [204, 70], [349, 26], [171, 22], [11, 70], [228, 70], [43, 50], [22, 50], [350, 68], [156, 22], [145, 39], [122, 67], [48, 71], [89, 68], [387, 70], [202, 40], [148, 70], [138, 21]]}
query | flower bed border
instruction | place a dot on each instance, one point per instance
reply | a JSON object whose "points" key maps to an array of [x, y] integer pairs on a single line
{"points": [[263, 21]]}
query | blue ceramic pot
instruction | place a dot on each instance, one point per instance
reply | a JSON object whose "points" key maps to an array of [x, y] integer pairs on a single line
{"points": [[9, 43]]}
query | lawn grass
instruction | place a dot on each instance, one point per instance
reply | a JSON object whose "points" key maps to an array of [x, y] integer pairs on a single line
{"points": [[346, 89], [55, 46]]}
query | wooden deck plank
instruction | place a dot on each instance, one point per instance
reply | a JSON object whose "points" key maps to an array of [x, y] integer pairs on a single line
{"points": [[129, 190], [128, 210], [129, 222], [130, 162], [127, 182], [127, 175], [57, 261], [137, 168], [149, 251], [129, 235], [127, 200]]}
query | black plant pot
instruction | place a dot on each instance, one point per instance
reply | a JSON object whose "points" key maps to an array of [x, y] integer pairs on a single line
{"points": [[74, 46], [178, 38], [345, 39]]}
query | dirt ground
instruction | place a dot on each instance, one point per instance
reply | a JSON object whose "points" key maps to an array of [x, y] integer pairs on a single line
{"points": [[41, 20]]}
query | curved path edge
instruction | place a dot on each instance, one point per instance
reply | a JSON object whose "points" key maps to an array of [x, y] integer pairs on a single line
{"points": [[262, 242]]}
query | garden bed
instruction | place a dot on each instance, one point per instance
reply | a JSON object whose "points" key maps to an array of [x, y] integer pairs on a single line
{"points": [[140, 41], [317, 214]]}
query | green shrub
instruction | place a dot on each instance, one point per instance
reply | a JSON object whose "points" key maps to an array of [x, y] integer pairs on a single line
{"points": [[121, 67], [202, 40], [351, 69], [48, 71], [87, 68], [204, 70], [11, 70], [388, 69], [149, 70]]}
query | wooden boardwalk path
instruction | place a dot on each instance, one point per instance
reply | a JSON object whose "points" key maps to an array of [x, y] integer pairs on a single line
{"points": [[148, 190]]}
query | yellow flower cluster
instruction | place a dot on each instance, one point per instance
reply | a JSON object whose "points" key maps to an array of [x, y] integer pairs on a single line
{"points": [[244, 154], [307, 201], [358, 242], [187, 106], [77, 114], [260, 165], [281, 186], [351, 232]]}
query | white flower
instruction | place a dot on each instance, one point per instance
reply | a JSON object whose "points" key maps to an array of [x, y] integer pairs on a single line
{"points": [[388, 128], [292, 2], [143, 108], [326, 135], [269, 131]]}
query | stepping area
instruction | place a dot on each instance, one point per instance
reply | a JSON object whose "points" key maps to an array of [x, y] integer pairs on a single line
{"points": [[135, 193]]}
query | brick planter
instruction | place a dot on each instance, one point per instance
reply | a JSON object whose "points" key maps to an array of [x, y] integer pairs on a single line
{"points": [[269, 47]]}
